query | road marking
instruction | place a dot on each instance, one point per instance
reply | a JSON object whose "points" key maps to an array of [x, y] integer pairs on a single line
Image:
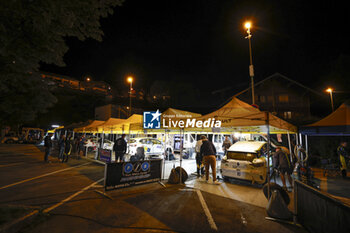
{"points": [[206, 211], [11, 164], [71, 197], [37, 177]]}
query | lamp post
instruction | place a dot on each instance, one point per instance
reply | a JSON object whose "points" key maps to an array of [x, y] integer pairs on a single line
{"points": [[248, 25], [330, 91], [130, 79]]}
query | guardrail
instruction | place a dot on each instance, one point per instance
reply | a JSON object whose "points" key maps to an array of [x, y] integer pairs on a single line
{"points": [[318, 212]]}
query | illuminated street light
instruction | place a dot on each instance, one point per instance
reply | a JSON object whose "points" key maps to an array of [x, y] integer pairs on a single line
{"points": [[330, 91], [248, 25], [130, 79], [88, 79]]}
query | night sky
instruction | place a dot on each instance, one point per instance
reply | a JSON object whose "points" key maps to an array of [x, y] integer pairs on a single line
{"points": [[202, 42]]}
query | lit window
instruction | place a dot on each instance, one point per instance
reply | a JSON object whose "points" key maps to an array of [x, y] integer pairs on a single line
{"points": [[283, 98], [287, 115]]}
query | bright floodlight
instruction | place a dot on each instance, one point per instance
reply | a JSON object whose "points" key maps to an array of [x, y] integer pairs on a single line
{"points": [[329, 90], [248, 25], [130, 79]]}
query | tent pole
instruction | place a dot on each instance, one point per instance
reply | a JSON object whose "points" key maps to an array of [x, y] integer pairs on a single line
{"points": [[290, 146], [268, 154], [306, 145], [164, 149], [181, 151]]}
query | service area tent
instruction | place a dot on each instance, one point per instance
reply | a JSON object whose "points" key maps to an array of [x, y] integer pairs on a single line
{"points": [[109, 125], [90, 128], [239, 116], [335, 124]]}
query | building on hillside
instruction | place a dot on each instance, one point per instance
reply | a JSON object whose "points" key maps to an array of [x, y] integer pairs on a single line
{"points": [[285, 98], [62, 81]]}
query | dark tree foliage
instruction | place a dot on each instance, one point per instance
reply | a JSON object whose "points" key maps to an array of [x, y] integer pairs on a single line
{"points": [[34, 31]]}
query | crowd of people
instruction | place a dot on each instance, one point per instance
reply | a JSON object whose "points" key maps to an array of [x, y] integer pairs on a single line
{"points": [[66, 146]]}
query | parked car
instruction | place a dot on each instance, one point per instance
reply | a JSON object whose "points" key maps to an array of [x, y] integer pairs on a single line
{"points": [[246, 160], [93, 143], [153, 148], [10, 138]]}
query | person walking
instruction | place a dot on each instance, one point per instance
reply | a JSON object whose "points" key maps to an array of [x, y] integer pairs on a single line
{"points": [[48, 146], [342, 153], [119, 148], [284, 166], [199, 158], [208, 152], [61, 146], [226, 144]]}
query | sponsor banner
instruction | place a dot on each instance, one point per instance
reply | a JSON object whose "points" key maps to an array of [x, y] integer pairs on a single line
{"points": [[105, 155], [125, 174]]}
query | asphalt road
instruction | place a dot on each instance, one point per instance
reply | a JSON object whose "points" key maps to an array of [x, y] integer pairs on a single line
{"points": [[71, 200]]}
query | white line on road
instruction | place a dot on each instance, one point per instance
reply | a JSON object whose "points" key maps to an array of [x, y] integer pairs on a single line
{"points": [[37, 177], [206, 211], [72, 196]]}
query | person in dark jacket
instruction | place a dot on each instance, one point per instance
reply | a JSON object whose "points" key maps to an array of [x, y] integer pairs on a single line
{"points": [[119, 148], [61, 146], [283, 164], [48, 146], [67, 149], [342, 156], [208, 152]]}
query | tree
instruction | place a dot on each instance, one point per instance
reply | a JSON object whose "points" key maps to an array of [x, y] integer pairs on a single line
{"points": [[34, 31]]}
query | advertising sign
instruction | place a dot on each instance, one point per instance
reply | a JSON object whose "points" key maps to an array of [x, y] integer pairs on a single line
{"points": [[105, 155], [125, 174]]}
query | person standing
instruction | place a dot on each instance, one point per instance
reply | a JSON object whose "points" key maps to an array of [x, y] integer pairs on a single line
{"points": [[119, 148], [199, 158], [81, 145], [226, 144], [61, 146], [67, 149], [342, 155], [284, 166], [208, 152], [48, 146]]}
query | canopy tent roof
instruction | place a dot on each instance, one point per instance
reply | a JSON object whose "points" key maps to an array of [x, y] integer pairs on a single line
{"points": [[237, 115], [124, 126], [336, 123], [78, 125], [88, 128], [108, 124]]}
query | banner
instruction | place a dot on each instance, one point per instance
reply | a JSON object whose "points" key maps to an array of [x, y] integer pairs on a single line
{"points": [[125, 174], [105, 155]]}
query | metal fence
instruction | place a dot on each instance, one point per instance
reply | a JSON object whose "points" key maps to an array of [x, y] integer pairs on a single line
{"points": [[319, 212]]}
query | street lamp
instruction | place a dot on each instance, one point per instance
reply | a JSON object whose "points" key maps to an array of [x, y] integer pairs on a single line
{"points": [[130, 79], [248, 25], [330, 91]]}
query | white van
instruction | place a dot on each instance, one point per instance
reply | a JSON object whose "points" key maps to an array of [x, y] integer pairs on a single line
{"points": [[246, 160]]}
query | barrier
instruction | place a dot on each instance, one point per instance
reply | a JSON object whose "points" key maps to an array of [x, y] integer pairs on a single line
{"points": [[105, 155], [125, 174], [318, 212]]}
